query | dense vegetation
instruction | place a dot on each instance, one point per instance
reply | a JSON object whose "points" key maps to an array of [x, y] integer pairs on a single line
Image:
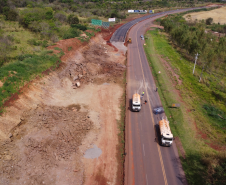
{"points": [[193, 38]]}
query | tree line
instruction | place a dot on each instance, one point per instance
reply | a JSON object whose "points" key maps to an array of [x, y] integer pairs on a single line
{"points": [[194, 38]]}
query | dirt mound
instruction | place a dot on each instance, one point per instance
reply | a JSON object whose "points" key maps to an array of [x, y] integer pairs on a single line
{"points": [[44, 146], [95, 63]]}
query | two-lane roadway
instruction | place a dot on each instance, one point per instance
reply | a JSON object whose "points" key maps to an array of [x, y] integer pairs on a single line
{"points": [[147, 163]]}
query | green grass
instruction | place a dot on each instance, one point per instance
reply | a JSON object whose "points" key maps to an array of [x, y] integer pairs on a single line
{"points": [[193, 95], [69, 48], [59, 49], [15, 74], [21, 37]]}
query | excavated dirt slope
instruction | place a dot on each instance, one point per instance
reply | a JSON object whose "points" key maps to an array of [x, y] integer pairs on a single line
{"points": [[46, 131]]}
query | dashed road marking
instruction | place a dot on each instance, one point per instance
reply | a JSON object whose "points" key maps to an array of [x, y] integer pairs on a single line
{"points": [[143, 150]]}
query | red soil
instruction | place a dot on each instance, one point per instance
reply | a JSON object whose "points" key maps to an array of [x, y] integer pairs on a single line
{"points": [[205, 137]]}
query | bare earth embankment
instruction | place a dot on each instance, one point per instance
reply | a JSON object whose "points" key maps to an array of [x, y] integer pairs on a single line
{"points": [[45, 133]]}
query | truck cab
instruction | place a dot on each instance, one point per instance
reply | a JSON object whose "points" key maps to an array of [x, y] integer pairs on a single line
{"points": [[166, 134], [136, 102]]}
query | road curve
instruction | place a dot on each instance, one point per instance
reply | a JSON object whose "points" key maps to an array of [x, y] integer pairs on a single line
{"points": [[146, 161], [120, 34]]}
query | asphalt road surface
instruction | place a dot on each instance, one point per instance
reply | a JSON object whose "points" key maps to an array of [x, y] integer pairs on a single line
{"points": [[147, 163], [120, 34]]}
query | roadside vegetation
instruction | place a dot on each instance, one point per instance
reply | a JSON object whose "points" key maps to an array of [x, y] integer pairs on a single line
{"points": [[192, 38], [121, 135], [200, 122], [28, 27]]}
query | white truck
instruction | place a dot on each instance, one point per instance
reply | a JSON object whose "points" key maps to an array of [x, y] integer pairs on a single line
{"points": [[136, 102], [166, 134]]}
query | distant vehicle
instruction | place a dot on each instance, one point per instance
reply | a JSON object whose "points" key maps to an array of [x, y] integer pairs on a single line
{"points": [[136, 102], [129, 40], [166, 134], [142, 37], [158, 110]]}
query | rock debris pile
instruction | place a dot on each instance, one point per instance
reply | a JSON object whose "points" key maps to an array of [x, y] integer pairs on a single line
{"points": [[51, 145], [94, 65]]}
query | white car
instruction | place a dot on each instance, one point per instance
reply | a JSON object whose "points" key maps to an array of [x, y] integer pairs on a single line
{"points": [[142, 37]]}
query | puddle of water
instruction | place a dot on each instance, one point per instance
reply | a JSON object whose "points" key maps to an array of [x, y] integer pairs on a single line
{"points": [[105, 84], [93, 153]]}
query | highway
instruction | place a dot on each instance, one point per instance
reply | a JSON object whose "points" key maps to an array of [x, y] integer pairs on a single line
{"points": [[120, 34], [146, 162]]}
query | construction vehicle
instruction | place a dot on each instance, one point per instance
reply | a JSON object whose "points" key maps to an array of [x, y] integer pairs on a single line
{"points": [[166, 134], [136, 102], [129, 40]]}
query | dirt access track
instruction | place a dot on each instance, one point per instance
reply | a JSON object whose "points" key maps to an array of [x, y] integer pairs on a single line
{"points": [[45, 133]]}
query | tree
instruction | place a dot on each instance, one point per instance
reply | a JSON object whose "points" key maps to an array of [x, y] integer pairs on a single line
{"points": [[73, 19], [60, 17], [209, 21], [12, 15], [49, 14]]}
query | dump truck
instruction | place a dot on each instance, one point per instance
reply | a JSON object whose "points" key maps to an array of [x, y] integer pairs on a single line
{"points": [[166, 134], [129, 40], [136, 102]]}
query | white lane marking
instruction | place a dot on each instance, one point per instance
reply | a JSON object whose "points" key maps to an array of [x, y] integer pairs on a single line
{"points": [[141, 126], [143, 150], [147, 179]]}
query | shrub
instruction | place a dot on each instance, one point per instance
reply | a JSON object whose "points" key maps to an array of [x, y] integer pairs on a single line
{"points": [[49, 15], [11, 15], [79, 26], [45, 44], [209, 21], [219, 177], [60, 17], [34, 42], [35, 26], [73, 19], [71, 33], [5, 47], [54, 38], [74, 8], [30, 15]]}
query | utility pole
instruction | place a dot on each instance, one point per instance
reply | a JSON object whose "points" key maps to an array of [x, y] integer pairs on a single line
{"points": [[196, 58]]}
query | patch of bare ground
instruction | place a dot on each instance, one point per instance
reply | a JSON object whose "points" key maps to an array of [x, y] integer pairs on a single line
{"points": [[180, 147], [171, 72], [1, 84], [156, 26], [207, 140], [46, 130]]}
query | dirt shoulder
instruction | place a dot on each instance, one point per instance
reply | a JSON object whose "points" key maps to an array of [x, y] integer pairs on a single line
{"points": [[46, 131]]}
